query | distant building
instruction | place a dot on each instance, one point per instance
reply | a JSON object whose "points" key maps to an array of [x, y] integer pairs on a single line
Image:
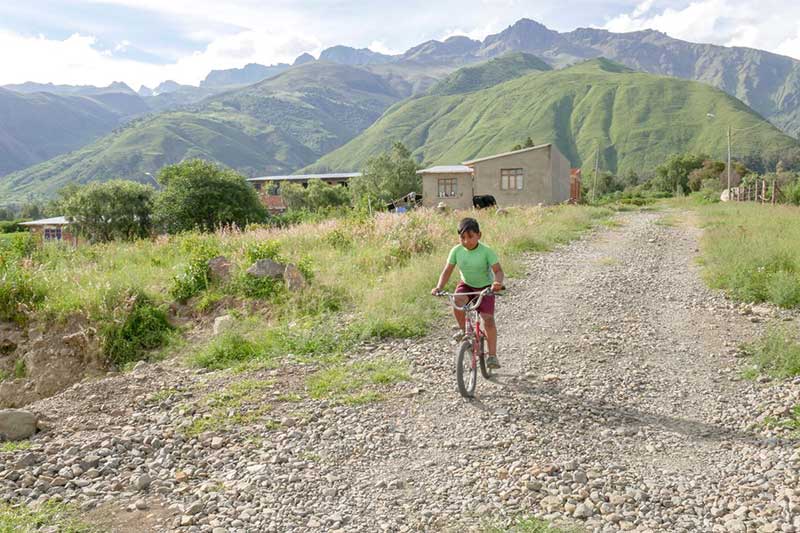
{"points": [[540, 174], [269, 187], [55, 229]]}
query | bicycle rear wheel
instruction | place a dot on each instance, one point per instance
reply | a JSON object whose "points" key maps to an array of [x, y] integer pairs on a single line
{"points": [[486, 372], [466, 373]]}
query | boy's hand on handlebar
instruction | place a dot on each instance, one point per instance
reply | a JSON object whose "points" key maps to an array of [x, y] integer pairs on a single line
{"points": [[497, 286], [436, 291]]}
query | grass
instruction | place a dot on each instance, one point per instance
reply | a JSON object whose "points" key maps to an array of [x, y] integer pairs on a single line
{"points": [[232, 407], [49, 516], [776, 353], [791, 422], [750, 251], [371, 278], [14, 446], [529, 525], [346, 383]]}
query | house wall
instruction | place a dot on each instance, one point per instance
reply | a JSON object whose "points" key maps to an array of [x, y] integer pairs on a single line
{"points": [[537, 183], [560, 172], [430, 190], [66, 236]]}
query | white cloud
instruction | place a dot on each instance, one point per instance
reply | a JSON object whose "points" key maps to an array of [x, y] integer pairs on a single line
{"points": [[771, 25], [381, 48], [77, 60]]}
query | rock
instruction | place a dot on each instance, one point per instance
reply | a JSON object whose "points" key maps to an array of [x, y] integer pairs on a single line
{"points": [[582, 511], [222, 323], [194, 508], [141, 505], [219, 269], [17, 424], [217, 443], [267, 268], [294, 278], [142, 482]]}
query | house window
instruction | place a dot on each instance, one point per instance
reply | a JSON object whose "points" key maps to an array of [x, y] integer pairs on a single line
{"points": [[511, 179], [52, 234], [448, 187]]}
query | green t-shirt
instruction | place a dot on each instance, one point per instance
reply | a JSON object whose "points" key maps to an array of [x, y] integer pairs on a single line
{"points": [[475, 265]]}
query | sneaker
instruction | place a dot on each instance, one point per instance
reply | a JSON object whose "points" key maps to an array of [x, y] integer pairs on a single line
{"points": [[458, 336], [492, 362]]}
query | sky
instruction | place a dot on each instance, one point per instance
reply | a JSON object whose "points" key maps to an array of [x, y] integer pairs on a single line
{"points": [[144, 42]]}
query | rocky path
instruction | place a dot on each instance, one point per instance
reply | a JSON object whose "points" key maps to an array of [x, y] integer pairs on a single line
{"points": [[619, 407]]}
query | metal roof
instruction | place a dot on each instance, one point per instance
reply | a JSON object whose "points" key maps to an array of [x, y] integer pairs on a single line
{"points": [[54, 221], [446, 169], [506, 153], [306, 177]]}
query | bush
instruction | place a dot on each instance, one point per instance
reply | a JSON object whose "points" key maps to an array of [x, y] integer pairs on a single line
{"points": [[252, 287], [14, 246], [200, 195], [116, 209], [19, 288], [193, 277], [144, 327], [263, 250]]}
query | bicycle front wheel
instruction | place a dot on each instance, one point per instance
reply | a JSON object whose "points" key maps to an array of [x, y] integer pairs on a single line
{"points": [[466, 371]]}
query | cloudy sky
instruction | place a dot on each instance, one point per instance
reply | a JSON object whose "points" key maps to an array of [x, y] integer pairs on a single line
{"points": [[148, 41]]}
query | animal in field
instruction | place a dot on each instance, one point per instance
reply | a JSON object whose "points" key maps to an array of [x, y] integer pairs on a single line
{"points": [[483, 201]]}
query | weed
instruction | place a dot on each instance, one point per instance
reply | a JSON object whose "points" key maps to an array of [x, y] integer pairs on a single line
{"points": [[790, 422], [344, 382], [529, 525], [20, 369], [289, 397], [228, 349], [258, 250], [51, 516], [608, 261], [776, 353], [162, 395], [15, 446], [229, 407], [143, 327]]}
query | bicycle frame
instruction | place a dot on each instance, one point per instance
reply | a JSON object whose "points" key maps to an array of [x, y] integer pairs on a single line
{"points": [[472, 329]]}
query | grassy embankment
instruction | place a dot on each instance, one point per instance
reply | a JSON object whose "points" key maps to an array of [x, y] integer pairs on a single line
{"points": [[371, 278], [751, 252]]}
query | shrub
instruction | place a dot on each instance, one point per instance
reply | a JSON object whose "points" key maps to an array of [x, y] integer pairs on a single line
{"points": [[193, 276], [227, 350], [252, 287], [263, 250], [783, 289], [18, 287], [144, 327]]}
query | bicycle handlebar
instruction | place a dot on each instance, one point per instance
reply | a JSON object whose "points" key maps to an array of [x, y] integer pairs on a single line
{"points": [[469, 306]]}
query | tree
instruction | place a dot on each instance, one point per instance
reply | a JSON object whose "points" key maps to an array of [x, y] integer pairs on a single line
{"points": [[30, 211], [318, 195], [710, 170], [387, 177], [673, 175], [528, 143], [198, 194], [116, 209]]}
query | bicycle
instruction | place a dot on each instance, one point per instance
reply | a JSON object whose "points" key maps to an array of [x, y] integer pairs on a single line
{"points": [[471, 351]]}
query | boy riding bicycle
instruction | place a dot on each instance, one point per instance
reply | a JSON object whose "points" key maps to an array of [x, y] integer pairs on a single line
{"points": [[479, 269]]}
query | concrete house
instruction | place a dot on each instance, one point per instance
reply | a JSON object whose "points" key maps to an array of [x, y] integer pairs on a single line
{"points": [[55, 229], [530, 176]]}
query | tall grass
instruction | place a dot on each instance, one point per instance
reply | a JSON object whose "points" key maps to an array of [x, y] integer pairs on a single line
{"points": [[752, 251], [371, 275]]}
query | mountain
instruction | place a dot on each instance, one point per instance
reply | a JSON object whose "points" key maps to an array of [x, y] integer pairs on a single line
{"points": [[636, 119], [488, 74], [71, 90], [454, 50], [37, 126], [274, 126], [302, 59], [249, 74], [345, 55]]}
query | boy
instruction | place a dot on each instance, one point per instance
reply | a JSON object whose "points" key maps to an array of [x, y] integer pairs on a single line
{"points": [[476, 262]]}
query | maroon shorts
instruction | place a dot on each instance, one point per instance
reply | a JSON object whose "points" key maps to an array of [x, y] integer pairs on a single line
{"points": [[487, 304]]}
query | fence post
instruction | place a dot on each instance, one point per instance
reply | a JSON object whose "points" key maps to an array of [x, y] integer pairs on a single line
{"points": [[773, 192]]}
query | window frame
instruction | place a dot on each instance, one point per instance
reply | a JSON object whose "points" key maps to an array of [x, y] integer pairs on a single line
{"points": [[52, 234], [512, 179], [442, 186]]}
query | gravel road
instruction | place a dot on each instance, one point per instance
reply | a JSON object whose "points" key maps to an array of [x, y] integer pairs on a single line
{"points": [[619, 406]]}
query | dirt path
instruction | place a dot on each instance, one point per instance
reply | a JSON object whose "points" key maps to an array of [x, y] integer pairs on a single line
{"points": [[619, 407]]}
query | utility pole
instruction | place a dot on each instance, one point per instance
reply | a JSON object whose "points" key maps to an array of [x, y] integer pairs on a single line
{"points": [[729, 162], [596, 165]]}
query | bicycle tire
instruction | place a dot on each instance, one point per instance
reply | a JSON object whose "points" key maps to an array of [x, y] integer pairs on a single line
{"points": [[466, 374], [486, 372]]}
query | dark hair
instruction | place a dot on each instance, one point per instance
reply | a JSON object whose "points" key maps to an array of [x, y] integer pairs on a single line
{"points": [[468, 224]]}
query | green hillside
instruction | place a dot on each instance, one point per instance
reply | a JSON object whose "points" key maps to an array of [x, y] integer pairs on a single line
{"points": [[37, 126], [275, 126], [637, 120], [489, 74]]}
